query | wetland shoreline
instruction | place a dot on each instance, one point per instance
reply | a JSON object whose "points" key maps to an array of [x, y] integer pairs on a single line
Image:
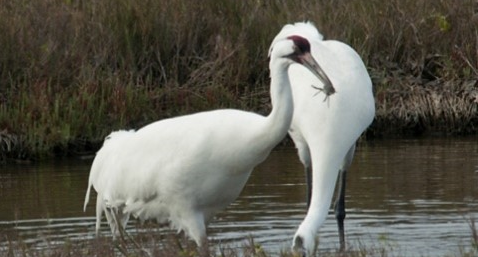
{"points": [[71, 71]]}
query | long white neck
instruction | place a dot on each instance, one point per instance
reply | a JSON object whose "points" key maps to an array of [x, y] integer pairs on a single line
{"points": [[326, 165], [277, 123]]}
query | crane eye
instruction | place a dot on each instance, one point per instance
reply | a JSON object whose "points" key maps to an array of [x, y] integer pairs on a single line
{"points": [[301, 43]]}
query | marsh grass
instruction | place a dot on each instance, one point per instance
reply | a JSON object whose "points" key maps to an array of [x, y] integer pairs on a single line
{"points": [[71, 71], [151, 243], [149, 240]]}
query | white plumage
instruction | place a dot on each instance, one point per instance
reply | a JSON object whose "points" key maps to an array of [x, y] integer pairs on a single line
{"points": [[325, 132], [185, 169]]}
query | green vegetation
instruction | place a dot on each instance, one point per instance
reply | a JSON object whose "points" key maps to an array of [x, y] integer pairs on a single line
{"points": [[71, 71]]}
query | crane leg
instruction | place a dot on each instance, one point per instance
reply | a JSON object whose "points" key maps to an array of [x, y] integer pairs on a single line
{"points": [[308, 181], [99, 213], [340, 208]]}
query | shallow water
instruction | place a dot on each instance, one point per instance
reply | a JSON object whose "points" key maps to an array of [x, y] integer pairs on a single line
{"points": [[413, 196]]}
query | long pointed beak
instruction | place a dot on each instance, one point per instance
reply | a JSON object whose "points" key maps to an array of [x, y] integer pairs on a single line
{"points": [[310, 63]]}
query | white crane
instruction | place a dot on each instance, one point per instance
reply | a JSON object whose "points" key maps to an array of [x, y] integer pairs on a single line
{"points": [[325, 132], [185, 169]]}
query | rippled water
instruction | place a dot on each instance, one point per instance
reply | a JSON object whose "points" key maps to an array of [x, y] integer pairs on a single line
{"points": [[414, 196]]}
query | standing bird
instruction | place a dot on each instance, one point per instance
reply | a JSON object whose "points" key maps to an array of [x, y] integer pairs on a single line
{"points": [[325, 132], [185, 169]]}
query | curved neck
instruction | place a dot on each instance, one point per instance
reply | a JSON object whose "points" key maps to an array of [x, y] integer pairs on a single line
{"points": [[325, 170], [277, 123]]}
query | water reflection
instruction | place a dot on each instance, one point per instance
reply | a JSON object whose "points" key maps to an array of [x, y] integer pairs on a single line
{"points": [[412, 195], [47, 190]]}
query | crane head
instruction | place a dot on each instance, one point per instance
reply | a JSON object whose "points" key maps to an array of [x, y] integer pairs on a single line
{"points": [[303, 56], [309, 32]]}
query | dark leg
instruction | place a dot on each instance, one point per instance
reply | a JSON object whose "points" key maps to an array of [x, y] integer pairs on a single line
{"points": [[308, 181], [340, 208]]}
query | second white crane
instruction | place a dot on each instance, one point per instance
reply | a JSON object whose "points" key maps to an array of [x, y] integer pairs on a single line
{"points": [[325, 132]]}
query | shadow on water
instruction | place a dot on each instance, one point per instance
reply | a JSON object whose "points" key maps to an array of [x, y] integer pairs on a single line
{"points": [[415, 196]]}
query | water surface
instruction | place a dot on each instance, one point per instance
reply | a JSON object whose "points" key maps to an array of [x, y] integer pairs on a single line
{"points": [[414, 196]]}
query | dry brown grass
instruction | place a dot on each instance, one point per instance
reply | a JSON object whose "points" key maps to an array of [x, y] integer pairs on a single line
{"points": [[72, 70], [151, 244], [148, 241]]}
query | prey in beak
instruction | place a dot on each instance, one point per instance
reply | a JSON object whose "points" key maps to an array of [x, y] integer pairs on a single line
{"points": [[303, 56], [309, 62]]}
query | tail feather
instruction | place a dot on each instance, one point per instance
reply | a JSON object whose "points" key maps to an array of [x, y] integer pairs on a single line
{"points": [[87, 197], [97, 168]]}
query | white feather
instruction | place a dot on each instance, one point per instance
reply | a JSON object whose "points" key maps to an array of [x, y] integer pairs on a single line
{"points": [[185, 169], [325, 131]]}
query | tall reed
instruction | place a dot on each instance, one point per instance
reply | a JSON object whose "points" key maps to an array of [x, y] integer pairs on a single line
{"points": [[73, 70]]}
